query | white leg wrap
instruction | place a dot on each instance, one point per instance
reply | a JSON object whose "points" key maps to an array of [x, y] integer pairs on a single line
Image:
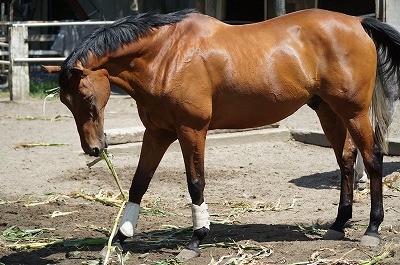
{"points": [[200, 216], [129, 219]]}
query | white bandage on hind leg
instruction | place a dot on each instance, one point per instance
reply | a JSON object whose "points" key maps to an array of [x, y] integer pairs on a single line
{"points": [[129, 219], [200, 216]]}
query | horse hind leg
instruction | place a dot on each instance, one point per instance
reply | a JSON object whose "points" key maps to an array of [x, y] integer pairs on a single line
{"points": [[391, 102], [345, 152], [363, 136]]}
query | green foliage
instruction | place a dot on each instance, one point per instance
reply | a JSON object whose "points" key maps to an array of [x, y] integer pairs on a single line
{"points": [[39, 86], [15, 234]]}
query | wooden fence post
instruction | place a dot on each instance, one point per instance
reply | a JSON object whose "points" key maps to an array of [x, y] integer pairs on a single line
{"points": [[392, 10], [18, 71]]}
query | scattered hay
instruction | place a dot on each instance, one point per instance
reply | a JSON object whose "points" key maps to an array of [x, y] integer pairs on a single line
{"points": [[34, 239], [106, 197], [38, 144], [58, 213], [2, 202], [321, 257], [54, 198], [312, 231], [173, 261], [29, 118], [375, 260], [390, 182], [240, 207], [242, 255], [361, 196], [260, 206], [28, 238], [115, 199], [96, 228]]}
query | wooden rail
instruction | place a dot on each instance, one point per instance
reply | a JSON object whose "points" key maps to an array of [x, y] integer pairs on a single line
{"points": [[18, 53]]}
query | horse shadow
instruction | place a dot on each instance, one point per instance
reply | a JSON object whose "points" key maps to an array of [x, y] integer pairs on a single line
{"points": [[331, 179], [261, 233]]}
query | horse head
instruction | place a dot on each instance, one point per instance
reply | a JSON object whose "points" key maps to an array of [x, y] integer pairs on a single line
{"points": [[85, 92]]}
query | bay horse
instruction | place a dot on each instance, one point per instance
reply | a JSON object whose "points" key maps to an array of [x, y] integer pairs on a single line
{"points": [[190, 73]]}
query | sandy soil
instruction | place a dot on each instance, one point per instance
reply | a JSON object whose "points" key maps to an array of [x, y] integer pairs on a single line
{"points": [[259, 193]]}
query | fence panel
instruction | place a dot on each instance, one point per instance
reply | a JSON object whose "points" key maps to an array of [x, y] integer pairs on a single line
{"points": [[18, 53]]}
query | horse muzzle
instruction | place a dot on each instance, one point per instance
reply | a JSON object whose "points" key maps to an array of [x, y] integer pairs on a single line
{"points": [[96, 150]]}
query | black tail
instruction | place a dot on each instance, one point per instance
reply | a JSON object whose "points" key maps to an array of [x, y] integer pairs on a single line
{"points": [[387, 90], [387, 41]]}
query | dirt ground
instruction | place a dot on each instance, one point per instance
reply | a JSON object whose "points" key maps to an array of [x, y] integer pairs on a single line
{"points": [[276, 196]]}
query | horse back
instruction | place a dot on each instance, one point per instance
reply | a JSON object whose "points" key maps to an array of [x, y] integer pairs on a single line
{"points": [[265, 70]]}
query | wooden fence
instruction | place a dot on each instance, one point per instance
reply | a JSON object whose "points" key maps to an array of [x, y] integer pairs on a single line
{"points": [[19, 55]]}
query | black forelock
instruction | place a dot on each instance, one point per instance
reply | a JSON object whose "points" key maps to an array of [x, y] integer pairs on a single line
{"points": [[111, 37]]}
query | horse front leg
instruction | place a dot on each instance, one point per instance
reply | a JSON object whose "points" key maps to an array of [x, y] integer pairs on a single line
{"points": [[193, 147], [155, 143]]}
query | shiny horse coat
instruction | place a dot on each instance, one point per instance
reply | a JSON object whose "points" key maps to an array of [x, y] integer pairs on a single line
{"points": [[190, 73]]}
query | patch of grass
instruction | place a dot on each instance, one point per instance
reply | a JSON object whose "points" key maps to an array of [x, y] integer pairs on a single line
{"points": [[39, 85], [4, 93]]}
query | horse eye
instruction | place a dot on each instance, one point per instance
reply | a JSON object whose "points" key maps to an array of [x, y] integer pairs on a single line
{"points": [[89, 99]]}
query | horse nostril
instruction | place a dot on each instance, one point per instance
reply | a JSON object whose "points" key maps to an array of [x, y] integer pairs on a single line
{"points": [[96, 152]]}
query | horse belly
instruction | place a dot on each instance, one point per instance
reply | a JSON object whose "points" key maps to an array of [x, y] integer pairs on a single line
{"points": [[253, 110]]}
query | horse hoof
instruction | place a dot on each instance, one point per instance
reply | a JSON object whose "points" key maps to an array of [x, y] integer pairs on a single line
{"points": [[187, 254], [370, 240], [333, 235]]}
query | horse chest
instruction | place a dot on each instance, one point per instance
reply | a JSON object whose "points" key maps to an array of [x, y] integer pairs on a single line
{"points": [[158, 118]]}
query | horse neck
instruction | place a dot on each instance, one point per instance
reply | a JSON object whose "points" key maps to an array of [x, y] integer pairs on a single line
{"points": [[131, 66]]}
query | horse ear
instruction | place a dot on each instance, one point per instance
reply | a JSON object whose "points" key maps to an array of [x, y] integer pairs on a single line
{"points": [[76, 71], [52, 69]]}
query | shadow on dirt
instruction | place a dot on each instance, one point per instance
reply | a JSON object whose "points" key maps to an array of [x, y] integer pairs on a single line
{"points": [[331, 179], [262, 233], [44, 256], [326, 180]]}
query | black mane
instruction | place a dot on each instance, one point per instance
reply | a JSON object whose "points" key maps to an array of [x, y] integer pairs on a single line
{"points": [[111, 37]]}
